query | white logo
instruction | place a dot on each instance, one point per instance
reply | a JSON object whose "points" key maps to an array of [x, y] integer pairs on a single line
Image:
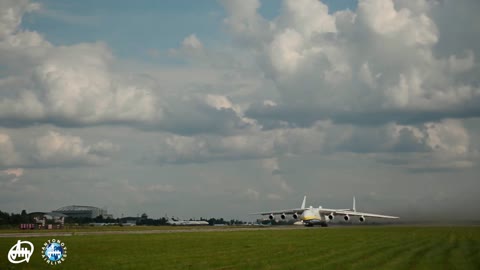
{"points": [[19, 254], [54, 252]]}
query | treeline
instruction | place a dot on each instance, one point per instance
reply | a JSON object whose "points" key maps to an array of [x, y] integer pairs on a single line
{"points": [[15, 219]]}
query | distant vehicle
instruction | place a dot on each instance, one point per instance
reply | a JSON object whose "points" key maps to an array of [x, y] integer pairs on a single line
{"points": [[320, 216], [172, 221]]}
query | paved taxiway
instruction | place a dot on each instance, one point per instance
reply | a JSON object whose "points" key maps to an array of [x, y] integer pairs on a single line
{"points": [[48, 234]]}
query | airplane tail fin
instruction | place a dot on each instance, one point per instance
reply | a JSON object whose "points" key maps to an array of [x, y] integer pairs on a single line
{"points": [[354, 208], [303, 203]]}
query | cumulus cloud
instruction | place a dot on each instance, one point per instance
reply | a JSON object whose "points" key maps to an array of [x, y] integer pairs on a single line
{"points": [[79, 85], [64, 85], [192, 43], [11, 12], [10, 176], [203, 114], [190, 48], [55, 149], [441, 145], [378, 80], [273, 167], [244, 20], [17, 172], [103, 149], [8, 154], [444, 145], [174, 149], [385, 75], [73, 86], [378, 64]]}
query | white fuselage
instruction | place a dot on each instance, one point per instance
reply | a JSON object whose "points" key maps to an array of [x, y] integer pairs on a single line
{"points": [[187, 222], [311, 216]]}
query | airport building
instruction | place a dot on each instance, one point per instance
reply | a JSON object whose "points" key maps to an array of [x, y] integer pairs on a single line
{"points": [[79, 211]]}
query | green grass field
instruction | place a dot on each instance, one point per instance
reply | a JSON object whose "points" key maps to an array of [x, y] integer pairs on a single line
{"points": [[317, 248]]}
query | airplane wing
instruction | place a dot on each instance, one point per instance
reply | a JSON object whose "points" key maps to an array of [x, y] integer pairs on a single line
{"points": [[350, 213], [329, 211], [286, 211], [354, 213], [279, 212]]}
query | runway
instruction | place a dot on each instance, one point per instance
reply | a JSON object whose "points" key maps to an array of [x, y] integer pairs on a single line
{"points": [[81, 233]]}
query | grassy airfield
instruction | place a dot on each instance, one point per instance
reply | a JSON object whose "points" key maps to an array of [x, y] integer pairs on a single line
{"points": [[358, 247]]}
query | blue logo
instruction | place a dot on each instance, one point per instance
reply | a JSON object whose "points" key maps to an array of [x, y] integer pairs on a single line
{"points": [[54, 252]]}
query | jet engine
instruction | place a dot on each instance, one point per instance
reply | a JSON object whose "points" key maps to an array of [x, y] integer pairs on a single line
{"points": [[346, 217], [283, 216], [271, 216], [361, 218], [331, 216], [295, 215]]}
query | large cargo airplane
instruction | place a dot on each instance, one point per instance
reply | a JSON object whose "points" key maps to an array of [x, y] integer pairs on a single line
{"points": [[320, 216]]}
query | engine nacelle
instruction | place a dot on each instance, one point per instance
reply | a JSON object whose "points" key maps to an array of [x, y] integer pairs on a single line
{"points": [[346, 217], [283, 216], [331, 216], [361, 219], [295, 215], [271, 217]]}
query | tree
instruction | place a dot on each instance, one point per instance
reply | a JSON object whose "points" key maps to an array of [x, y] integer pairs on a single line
{"points": [[4, 218], [24, 218]]}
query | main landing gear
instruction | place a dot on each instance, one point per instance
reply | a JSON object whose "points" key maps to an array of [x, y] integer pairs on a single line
{"points": [[322, 224]]}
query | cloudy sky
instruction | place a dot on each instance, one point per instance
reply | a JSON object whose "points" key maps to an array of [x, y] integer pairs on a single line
{"points": [[221, 108]]}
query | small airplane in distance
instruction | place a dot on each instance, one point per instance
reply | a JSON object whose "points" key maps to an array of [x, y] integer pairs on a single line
{"points": [[320, 216], [171, 221]]}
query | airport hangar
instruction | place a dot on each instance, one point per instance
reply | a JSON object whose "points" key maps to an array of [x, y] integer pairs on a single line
{"points": [[81, 211]]}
